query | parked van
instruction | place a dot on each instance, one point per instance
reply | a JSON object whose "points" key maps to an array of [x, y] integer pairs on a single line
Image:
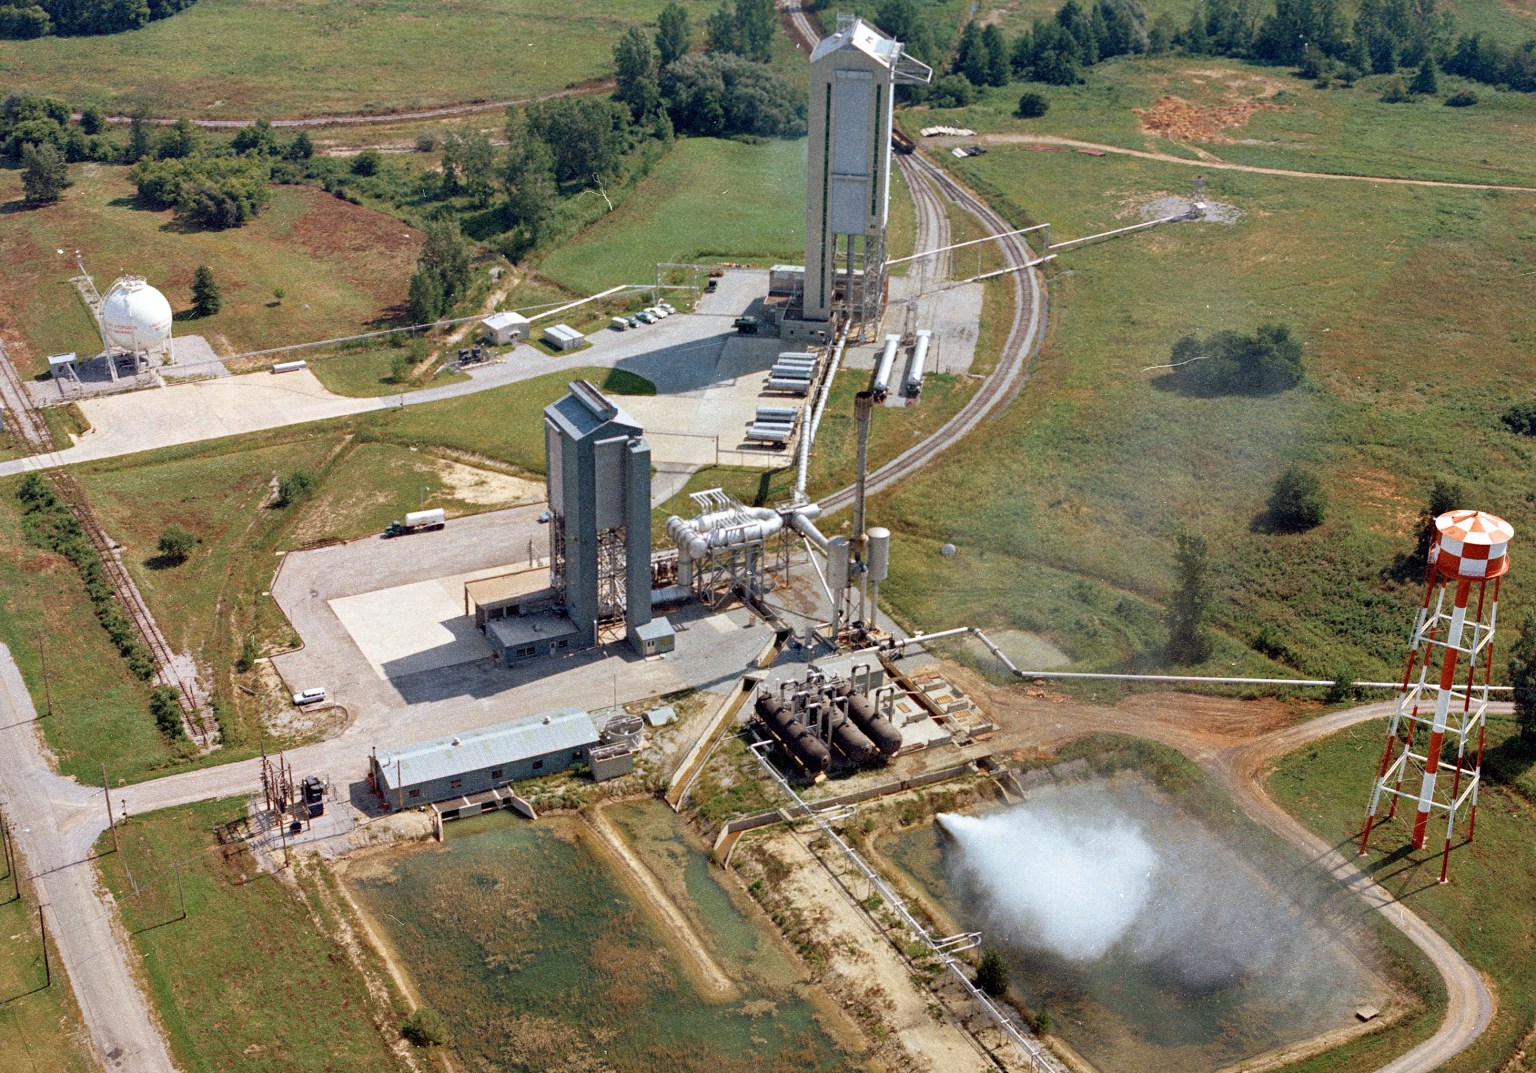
{"points": [[619, 324], [309, 696]]}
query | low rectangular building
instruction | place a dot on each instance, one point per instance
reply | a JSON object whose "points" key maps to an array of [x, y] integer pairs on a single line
{"points": [[504, 328], [563, 337], [480, 760]]}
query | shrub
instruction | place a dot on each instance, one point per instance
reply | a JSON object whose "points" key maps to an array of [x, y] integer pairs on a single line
{"points": [[1297, 502], [367, 162], [1521, 418], [213, 192], [1032, 106], [1230, 363], [249, 654], [992, 974], [1395, 91], [294, 487], [176, 543], [206, 296], [425, 1028], [1465, 99], [165, 706]]}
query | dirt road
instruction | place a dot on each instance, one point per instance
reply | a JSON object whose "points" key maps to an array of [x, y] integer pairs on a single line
{"points": [[1208, 161]]}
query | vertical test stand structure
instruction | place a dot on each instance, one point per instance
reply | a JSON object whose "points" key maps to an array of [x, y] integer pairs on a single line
{"points": [[1435, 713]]}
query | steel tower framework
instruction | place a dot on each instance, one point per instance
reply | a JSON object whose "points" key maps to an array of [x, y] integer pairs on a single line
{"points": [[1435, 736]]}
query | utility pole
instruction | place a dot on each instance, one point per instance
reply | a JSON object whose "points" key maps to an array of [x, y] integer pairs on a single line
{"points": [[42, 654], [181, 893], [111, 819], [42, 926]]}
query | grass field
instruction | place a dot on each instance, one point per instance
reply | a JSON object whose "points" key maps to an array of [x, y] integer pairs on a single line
{"points": [[39, 1028], [281, 993], [243, 59], [340, 267], [1068, 503], [1486, 909], [1349, 131], [371, 373], [708, 200]]}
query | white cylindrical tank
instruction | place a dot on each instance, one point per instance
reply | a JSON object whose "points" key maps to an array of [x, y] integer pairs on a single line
{"points": [[879, 549], [135, 316], [883, 369], [837, 564], [919, 361]]}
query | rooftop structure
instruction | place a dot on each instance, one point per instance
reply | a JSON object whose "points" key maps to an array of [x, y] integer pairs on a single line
{"points": [[598, 468], [854, 74], [480, 760]]}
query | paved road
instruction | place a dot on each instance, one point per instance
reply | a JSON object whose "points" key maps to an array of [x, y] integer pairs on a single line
{"points": [[55, 822], [1243, 771], [680, 355]]}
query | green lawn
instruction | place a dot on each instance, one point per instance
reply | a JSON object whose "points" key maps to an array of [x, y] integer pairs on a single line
{"points": [[1485, 911], [280, 994], [39, 1028], [340, 267], [250, 58], [707, 200], [1065, 507], [371, 373]]}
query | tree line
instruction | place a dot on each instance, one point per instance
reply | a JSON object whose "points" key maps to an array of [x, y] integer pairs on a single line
{"points": [[25, 19], [1384, 37]]}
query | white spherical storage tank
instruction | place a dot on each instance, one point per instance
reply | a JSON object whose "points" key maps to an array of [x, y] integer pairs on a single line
{"points": [[135, 316]]}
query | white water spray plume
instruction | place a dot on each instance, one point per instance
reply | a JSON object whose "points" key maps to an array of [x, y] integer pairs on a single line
{"points": [[1072, 884]]}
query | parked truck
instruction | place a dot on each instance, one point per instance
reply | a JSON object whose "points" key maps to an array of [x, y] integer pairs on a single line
{"points": [[417, 521]]}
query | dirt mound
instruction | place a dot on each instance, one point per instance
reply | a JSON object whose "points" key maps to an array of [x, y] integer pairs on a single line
{"points": [[1216, 212], [1177, 120]]}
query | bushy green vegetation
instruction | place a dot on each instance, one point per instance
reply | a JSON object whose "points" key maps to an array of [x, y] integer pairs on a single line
{"points": [[25, 19], [1482, 911], [282, 993], [215, 192], [1232, 363]]}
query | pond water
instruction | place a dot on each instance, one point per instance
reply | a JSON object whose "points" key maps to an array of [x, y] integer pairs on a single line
{"points": [[530, 942], [1150, 943]]}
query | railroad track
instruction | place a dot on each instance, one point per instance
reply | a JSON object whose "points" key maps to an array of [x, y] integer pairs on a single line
{"points": [[26, 424], [1015, 363], [929, 184]]}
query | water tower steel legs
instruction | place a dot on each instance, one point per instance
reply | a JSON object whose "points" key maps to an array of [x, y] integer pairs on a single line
{"points": [[1468, 553]]}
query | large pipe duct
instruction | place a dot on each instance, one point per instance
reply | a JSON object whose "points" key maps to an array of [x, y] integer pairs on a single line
{"points": [[723, 529], [868, 718], [798, 739], [882, 383], [919, 361]]}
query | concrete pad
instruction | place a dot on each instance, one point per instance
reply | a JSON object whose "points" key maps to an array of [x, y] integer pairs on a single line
{"points": [[415, 627], [207, 409]]}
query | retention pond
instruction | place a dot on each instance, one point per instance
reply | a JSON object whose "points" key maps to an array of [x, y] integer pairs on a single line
{"points": [[545, 950], [1149, 942]]}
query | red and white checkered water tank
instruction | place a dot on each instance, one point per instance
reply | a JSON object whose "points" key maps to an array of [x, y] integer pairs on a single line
{"points": [[1470, 544]]}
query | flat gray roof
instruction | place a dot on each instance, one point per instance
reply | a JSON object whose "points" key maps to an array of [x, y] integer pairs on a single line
{"points": [[474, 750], [517, 630]]}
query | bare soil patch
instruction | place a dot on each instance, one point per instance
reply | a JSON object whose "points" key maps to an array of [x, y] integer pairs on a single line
{"points": [[370, 250], [1178, 120], [484, 487]]}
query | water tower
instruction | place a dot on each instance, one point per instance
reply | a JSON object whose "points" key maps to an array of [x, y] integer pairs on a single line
{"points": [[1435, 737], [135, 317]]}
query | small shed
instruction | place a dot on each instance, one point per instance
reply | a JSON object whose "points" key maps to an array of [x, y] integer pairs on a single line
{"points": [[563, 337], [654, 637], [477, 761], [503, 329]]}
